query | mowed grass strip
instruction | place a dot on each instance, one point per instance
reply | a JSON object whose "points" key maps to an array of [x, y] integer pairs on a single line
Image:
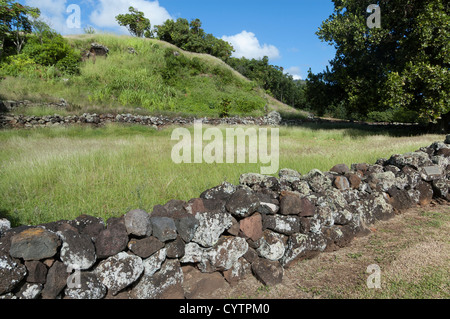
{"points": [[61, 173]]}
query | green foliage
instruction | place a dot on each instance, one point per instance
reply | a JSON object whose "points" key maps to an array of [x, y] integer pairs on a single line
{"points": [[135, 22], [401, 68], [15, 23], [272, 79], [224, 108], [17, 64], [53, 50], [191, 37]]}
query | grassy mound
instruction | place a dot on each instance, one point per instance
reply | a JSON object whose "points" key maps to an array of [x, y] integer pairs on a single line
{"points": [[155, 80]]}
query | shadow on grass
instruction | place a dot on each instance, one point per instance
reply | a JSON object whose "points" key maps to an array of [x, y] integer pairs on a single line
{"points": [[11, 216], [360, 130]]}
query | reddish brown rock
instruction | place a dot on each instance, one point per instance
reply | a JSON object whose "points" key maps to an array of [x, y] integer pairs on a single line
{"points": [[307, 208], [341, 183], [340, 169], [270, 273], [354, 180], [290, 204], [37, 272], [251, 227], [146, 247]]}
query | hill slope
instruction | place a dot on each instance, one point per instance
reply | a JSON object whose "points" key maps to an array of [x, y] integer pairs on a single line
{"points": [[155, 80]]}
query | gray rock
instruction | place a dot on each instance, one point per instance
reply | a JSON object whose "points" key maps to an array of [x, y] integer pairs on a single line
{"points": [[89, 287], [29, 291], [303, 246], [223, 255], [273, 118], [289, 175], [415, 160], [382, 181], [271, 246], [119, 271], [441, 187], [88, 225], [317, 181], [302, 187], [11, 274], [164, 228], [34, 244], [238, 272], [186, 227], [286, 225], [161, 283], [4, 226], [153, 263], [221, 192], [138, 223], [447, 139], [77, 250], [270, 273], [112, 240], [211, 226], [242, 203], [218, 258], [193, 253], [430, 173]]}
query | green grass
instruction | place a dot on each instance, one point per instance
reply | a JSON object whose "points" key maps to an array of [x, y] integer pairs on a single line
{"points": [[61, 173], [153, 80]]}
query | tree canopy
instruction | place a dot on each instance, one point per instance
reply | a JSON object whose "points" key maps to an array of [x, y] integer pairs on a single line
{"points": [[398, 72], [191, 37], [136, 23], [15, 23]]}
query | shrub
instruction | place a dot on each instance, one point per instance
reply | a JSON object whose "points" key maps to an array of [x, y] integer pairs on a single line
{"points": [[16, 64], [53, 49]]}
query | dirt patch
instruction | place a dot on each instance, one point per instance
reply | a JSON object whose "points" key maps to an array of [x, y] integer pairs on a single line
{"points": [[411, 250]]}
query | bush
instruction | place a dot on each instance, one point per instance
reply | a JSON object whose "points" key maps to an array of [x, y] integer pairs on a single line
{"points": [[16, 64], [53, 50]]}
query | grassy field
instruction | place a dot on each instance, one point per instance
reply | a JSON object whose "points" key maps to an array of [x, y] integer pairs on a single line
{"points": [[61, 173]]}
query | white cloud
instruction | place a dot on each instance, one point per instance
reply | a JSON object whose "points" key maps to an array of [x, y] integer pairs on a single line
{"points": [[246, 44], [295, 72], [53, 12], [104, 14]]}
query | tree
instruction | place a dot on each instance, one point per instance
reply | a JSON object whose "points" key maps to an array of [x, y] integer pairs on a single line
{"points": [[400, 68], [136, 23], [191, 37], [15, 23]]}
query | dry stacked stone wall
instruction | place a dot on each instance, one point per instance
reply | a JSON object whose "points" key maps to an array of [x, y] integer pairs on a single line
{"points": [[186, 249]]}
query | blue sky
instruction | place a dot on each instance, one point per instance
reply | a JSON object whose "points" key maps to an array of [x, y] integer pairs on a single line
{"points": [[284, 30]]}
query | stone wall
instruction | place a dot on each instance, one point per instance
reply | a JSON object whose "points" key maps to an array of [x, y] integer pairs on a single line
{"points": [[11, 120], [186, 249]]}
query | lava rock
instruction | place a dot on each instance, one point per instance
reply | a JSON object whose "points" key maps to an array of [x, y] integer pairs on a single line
{"points": [[34, 244]]}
